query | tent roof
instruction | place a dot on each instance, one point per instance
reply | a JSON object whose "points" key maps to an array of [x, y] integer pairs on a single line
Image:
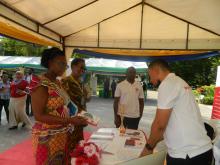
{"points": [[131, 24], [146, 55], [92, 64]]}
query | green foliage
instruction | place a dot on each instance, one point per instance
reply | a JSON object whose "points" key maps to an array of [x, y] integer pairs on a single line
{"points": [[76, 55], [199, 72], [196, 93], [12, 47], [208, 100], [207, 92]]}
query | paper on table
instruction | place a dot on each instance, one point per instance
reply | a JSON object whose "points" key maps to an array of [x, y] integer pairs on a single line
{"points": [[102, 136], [105, 130], [114, 151], [134, 143]]}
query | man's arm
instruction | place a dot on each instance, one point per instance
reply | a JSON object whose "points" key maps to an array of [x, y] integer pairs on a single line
{"points": [[115, 106], [141, 106], [157, 129], [116, 116], [141, 101]]}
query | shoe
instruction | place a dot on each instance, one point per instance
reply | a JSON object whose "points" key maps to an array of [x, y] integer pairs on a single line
{"points": [[23, 125], [14, 127]]}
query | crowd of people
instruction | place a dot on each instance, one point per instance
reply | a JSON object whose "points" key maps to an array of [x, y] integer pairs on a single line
{"points": [[57, 130]]}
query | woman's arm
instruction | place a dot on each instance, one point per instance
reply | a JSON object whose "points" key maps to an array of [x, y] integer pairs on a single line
{"points": [[39, 101]]}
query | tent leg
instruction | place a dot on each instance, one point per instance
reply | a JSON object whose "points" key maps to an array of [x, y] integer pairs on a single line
{"points": [[68, 53]]}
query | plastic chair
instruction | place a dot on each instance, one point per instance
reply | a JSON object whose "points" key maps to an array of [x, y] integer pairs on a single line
{"points": [[157, 158]]}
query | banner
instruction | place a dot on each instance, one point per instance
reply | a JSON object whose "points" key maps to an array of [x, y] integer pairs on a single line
{"points": [[216, 103], [218, 77]]}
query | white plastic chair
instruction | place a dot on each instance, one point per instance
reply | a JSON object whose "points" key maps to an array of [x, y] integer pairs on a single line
{"points": [[157, 158]]}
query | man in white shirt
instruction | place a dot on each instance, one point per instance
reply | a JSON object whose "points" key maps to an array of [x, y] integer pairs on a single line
{"points": [[129, 101], [178, 120]]}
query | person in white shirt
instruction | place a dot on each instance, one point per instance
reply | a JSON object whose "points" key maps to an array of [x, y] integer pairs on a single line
{"points": [[129, 101], [178, 120]]}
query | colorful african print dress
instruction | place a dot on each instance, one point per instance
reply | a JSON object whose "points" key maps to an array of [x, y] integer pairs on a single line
{"points": [[75, 92], [50, 141]]}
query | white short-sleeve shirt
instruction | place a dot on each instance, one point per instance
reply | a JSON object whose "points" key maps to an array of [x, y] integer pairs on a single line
{"points": [[129, 98], [185, 133]]}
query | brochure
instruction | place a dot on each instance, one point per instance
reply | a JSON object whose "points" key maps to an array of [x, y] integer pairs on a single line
{"points": [[91, 119]]}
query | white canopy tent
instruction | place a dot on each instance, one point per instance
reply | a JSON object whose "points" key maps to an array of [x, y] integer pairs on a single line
{"points": [[114, 24], [121, 24], [93, 64]]}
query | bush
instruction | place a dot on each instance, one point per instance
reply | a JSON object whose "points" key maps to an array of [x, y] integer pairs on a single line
{"points": [[207, 92], [208, 100], [196, 93]]}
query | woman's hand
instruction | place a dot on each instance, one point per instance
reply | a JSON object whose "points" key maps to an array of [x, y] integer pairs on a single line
{"points": [[78, 121], [20, 92]]}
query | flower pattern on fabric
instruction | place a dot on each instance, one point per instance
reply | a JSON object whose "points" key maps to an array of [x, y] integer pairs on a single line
{"points": [[50, 141], [86, 153]]}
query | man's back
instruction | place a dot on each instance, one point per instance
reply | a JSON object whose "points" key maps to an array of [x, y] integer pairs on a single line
{"points": [[185, 133]]}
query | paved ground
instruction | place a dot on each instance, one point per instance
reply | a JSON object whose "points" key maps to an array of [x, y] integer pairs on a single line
{"points": [[100, 107]]}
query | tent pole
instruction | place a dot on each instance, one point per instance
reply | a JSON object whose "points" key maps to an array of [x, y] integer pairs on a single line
{"points": [[141, 30], [187, 36], [71, 12], [105, 19], [28, 18], [98, 34]]}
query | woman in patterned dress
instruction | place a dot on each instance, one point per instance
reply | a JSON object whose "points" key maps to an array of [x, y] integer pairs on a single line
{"points": [[50, 132], [73, 86]]}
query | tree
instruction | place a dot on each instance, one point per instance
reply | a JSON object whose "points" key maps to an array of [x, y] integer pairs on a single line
{"points": [[12, 47], [198, 72]]}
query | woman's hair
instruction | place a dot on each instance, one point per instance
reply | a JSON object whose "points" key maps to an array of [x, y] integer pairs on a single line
{"points": [[50, 54], [76, 61]]}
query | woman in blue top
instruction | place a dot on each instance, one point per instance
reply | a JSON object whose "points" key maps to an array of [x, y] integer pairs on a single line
{"points": [[4, 95]]}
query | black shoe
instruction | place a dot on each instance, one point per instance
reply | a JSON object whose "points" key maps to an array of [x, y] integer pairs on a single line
{"points": [[14, 127], [23, 125]]}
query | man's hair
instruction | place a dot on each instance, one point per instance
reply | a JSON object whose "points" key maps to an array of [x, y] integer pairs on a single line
{"points": [[76, 61], [131, 67], [160, 63]]}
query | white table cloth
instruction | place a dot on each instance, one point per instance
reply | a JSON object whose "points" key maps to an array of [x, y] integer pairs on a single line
{"points": [[115, 151]]}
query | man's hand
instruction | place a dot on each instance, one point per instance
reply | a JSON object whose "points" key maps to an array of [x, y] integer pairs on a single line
{"points": [[117, 121], [146, 152]]}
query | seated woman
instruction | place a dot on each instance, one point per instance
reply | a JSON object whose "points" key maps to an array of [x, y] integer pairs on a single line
{"points": [[49, 100], [74, 87]]}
